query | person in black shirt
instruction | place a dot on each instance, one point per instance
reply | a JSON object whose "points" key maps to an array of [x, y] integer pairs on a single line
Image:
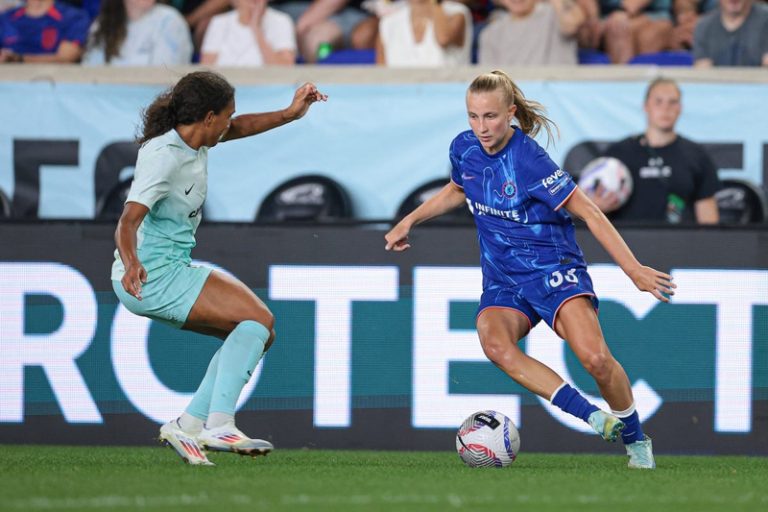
{"points": [[674, 178]]}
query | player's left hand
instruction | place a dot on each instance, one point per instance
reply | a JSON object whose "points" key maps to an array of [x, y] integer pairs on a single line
{"points": [[397, 238], [305, 96], [657, 283]]}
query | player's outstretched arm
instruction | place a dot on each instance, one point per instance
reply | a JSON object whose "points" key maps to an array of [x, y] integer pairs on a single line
{"points": [[251, 124], [449, 197], [125, 238], [647, 279]]}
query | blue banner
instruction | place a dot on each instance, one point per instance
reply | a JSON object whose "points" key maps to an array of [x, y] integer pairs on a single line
{"points": [[380, 142]]}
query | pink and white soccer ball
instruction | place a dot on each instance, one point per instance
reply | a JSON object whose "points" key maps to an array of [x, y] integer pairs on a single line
{"points": [[487, 439], [609, 172]]}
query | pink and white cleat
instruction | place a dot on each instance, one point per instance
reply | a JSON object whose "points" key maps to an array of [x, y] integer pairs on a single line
{"points": [[184, 443], [227, 438]]}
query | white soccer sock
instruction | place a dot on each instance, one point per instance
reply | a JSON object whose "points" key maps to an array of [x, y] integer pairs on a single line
{"points": [[217, 419], [189, 423], [626, 413]]}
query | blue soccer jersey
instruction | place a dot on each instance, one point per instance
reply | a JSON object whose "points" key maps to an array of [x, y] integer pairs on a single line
{"points": [[516, 197], [27, 35]]}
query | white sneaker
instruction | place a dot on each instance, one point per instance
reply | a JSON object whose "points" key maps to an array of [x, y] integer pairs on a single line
{"points": [[607, 425], [227, 438], [184, 444], [641, 454]]}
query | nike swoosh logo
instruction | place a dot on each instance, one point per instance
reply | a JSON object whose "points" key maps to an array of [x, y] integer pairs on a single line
{"points": [[467, 177], [187, 191]]}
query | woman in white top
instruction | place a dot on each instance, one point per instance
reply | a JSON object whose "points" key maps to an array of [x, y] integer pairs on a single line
{"points": [[425, 33], [138, 33], [250, 35]]}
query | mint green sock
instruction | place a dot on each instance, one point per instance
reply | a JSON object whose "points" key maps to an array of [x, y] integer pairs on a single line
{"points": [[238, 357], [201, 401]]}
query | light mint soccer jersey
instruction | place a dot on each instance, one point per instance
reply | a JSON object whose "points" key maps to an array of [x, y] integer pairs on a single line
{"points": [[171, 179]]}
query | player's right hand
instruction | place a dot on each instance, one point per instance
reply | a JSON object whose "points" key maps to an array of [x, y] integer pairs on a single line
{"points": [[397, 238], [133, 279]]}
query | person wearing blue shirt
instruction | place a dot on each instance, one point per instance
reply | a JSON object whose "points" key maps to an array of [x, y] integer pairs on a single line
{"points": [[532, 268], [43, 31]]}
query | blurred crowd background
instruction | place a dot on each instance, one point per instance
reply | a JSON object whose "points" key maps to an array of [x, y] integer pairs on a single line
{"points": [[679, 175], [416, 33]]}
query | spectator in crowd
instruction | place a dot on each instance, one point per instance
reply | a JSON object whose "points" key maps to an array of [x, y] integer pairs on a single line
{"points": [[9, 4], [252, 34], [734, 35], [198, 14], [625, 28], [480, 10], [338, 23], [687, 14], [426, 33], [91, 7], [138, 33], [674, 179], [43, 31], [533, 32]]}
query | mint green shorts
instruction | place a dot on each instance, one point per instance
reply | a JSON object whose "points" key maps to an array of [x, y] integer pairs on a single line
{"points": [[169, 297]]}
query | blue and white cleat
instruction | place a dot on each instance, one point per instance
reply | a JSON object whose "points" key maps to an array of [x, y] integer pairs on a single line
{"points": [[607, 425], [184, 443], [641, 454], [227, 438]]}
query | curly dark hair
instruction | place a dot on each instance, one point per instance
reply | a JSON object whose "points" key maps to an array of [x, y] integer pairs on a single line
{"points": [[112, 28], [187, 102]]}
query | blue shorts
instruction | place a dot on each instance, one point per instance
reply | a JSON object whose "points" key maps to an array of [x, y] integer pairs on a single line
{"points": [[168, 297], [541, 298]]}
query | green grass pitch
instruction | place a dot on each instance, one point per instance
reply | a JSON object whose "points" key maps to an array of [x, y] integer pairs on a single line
{"points": [[79, 478]]}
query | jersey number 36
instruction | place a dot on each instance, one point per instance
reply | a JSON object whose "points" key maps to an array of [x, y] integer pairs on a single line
{"points": [[557, 278]]}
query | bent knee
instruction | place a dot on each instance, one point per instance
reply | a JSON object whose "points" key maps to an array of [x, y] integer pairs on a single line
{"points": [[256, 330], [270, 340], [264, 317], [617, 30], [654, 37], [500, 354], [269, 322], [599, 364]]}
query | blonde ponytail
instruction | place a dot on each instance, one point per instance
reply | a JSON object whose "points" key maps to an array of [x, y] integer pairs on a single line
{"points": [[530, 114]]}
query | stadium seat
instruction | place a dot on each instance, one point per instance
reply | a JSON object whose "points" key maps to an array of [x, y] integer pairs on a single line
{"points": [[350, 56], [5, 206], [460, 215], [311, 198], [676, 58], [110, 205], [115, 163], [592, 57], [740, 202]]}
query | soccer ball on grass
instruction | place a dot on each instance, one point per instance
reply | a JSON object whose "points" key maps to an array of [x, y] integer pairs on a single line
{"points": [[487, 439]]}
